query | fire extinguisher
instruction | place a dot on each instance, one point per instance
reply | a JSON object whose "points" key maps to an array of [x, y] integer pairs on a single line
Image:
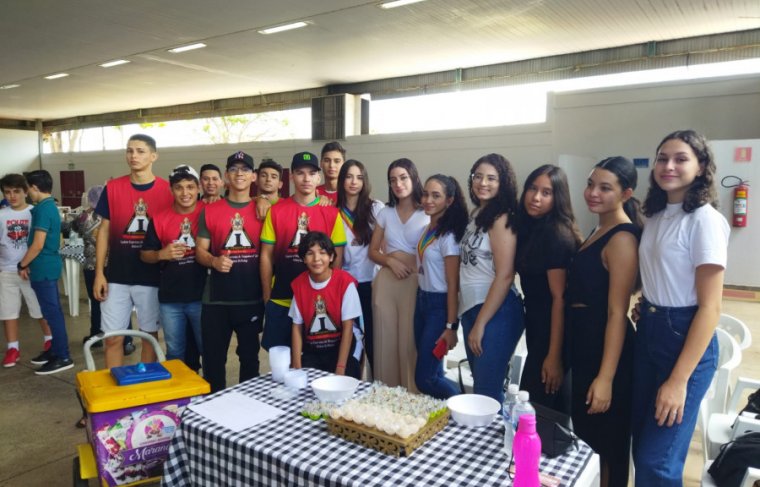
{"points": [[741, 197]]}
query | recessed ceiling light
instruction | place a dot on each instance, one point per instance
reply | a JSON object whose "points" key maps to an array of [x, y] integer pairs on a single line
{"points": [[115, 62], [56, 76], [399, 3], [8, 87], [189, 47], [282, 28]]}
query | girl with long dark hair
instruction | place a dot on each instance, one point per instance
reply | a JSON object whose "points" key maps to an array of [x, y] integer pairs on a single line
{"points": [[393, 246], [359, 213], [435, 313], [491, 309], [601, 279], [683, 258], [547, 239]]}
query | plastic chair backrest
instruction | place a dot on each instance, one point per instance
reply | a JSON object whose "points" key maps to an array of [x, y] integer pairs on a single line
{"points": [[716, 398], [752, 476], [737, 329]]}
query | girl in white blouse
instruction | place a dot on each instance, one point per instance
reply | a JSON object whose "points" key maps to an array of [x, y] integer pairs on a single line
{"points": [[682, 259], [394, 244]]}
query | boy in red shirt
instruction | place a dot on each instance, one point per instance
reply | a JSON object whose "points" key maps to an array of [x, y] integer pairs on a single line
{"points": [[285, 225], [324, 309], [170, 240], [228, 244]]}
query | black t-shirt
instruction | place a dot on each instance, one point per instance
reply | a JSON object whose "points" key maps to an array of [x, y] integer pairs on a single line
{"points": [[539, 250]]}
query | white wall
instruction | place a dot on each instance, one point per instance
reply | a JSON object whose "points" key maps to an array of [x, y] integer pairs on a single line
{"points": [[743, 256], [18, 151], [583, 127]]}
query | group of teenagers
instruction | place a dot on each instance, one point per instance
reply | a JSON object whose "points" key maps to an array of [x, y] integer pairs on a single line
{"points": [[334, 274]]}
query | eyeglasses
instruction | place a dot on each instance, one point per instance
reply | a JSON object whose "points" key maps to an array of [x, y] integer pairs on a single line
{"points": [[479, 178], [240, 169]]}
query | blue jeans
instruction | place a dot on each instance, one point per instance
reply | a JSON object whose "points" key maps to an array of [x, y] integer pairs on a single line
{"points": [[500, 338], [429, 323], [50, 305], [174, 318], [659, 452]]}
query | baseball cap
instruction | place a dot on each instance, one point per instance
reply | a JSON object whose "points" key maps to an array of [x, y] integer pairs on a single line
{"points": [[240, 157], [304, 159], [183, 171]]}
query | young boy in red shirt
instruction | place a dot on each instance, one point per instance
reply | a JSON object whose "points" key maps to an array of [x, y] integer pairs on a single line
{"points": [[324, 311]]}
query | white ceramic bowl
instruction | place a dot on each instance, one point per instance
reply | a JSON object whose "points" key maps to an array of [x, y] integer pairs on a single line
{"points": [[334, 388], [473, 409]]}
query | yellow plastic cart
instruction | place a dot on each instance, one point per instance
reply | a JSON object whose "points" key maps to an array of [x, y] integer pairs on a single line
{"points": [[130, 427]]}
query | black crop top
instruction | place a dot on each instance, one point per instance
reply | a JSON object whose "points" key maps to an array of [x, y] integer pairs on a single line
{"points": [[588, 282]]}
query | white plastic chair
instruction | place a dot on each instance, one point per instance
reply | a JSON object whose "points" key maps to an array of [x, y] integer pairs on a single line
{"points": [[716, 398], [737, 329]]}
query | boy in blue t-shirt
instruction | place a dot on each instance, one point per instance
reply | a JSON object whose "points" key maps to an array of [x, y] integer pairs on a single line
{"points": [[42, 266]]}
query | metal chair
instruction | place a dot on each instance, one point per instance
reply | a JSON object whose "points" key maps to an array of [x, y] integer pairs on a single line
{"points": [[737, 329], [716, 398]]}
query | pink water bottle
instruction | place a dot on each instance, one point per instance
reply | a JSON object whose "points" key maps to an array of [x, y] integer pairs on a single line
{"points": [[527, 452]]}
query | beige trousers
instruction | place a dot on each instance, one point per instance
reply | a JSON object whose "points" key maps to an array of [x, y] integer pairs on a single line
{"points": [[393, 328]]}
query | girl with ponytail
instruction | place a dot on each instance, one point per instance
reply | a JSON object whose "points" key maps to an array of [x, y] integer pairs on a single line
{"points": [[601, 279], [435, 314]]}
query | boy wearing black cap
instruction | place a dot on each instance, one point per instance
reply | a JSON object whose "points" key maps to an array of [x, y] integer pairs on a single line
{"points": [[285, 224], [126, 206], [170, 239], [228, 244]]}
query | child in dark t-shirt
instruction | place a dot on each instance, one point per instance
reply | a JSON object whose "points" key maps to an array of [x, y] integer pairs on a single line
{"points": [[324, 311]]}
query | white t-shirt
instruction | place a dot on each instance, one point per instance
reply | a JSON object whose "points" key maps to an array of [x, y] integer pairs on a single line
{"points": [[350, 308], [401, 236], [356, 259], [14, 234], [673, 244], [476, 267], [432, 270]]}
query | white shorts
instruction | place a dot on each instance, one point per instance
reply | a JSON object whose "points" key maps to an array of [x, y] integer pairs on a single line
{"points": [[117, 308], [12, 287]]}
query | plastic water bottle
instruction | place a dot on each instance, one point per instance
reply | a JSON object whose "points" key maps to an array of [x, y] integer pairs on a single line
{"points": [[506, 411], [527, 448], [522, 406]]}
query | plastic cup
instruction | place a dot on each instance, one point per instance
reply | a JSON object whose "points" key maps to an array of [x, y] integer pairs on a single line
{"points": [[279, 362]]}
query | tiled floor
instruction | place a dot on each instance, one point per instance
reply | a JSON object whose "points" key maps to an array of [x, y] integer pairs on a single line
{"points": [[38, 413]]}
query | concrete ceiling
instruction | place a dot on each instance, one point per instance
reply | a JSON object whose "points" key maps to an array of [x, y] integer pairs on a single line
{"points": [[346, 41]]}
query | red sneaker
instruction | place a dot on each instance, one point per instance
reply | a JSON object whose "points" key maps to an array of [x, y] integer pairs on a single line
{"points": [[11, 357], [46, 346]]}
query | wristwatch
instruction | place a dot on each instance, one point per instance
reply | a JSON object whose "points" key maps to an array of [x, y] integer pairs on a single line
{"points": [[20, 267], [452, 326]]}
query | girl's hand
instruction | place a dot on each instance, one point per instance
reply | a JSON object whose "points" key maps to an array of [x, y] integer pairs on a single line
{"points": [[599, 396], [669, 403], [475, 338], [450, 337], [340, 370], [399, 269], [552, 374]]}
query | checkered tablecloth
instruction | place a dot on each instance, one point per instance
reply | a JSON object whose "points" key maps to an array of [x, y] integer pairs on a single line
{"points": [[73, 251], [293, 450]]}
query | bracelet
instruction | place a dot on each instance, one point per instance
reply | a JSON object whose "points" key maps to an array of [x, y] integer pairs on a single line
{"points": [[341, 366]]}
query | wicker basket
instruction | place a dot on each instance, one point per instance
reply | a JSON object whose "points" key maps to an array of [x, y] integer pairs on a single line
{"points": [[383, 442]]}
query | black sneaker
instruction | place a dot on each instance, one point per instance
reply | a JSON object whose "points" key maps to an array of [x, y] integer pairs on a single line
{"points": [[95, 345], [54, 366], [42, 358]]}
